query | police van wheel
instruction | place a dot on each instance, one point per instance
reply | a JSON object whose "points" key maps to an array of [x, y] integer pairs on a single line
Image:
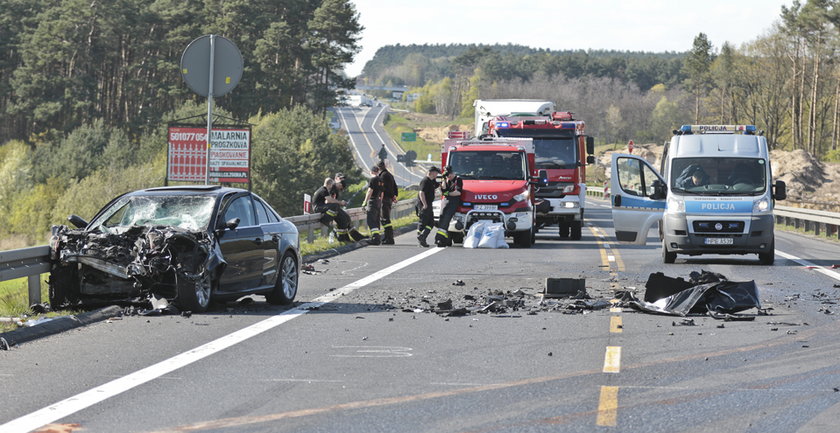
{"points": [[667, 256], [769, 257]]}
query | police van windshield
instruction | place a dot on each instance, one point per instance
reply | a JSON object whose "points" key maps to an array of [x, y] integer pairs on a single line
{"points": [[719, 176], [488, 165]]}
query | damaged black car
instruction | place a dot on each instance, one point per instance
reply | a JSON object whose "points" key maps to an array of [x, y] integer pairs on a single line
{"points": [[186, 244]]}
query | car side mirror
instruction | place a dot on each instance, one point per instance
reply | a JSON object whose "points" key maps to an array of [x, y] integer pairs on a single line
{"points": [[77, 221], [780, 192], [590, 159], [232, 224], [590, 145], [659, 190]]}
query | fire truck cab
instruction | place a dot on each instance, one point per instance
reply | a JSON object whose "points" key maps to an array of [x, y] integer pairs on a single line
{"points": [[498, 186]]}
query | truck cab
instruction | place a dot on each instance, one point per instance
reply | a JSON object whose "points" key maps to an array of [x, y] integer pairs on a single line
{"points": [[714, 194], [497, 185], [562, 151]]}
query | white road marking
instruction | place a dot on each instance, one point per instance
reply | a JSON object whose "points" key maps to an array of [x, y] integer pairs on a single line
{"points": [[347, 128], [803, 262], [611, 258], [115, 387]]}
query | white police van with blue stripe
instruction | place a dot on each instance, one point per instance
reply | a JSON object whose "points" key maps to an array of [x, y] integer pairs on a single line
{"points": [[718, 197]]}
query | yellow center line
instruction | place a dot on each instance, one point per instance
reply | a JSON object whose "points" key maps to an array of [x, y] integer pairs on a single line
{"points": [[615, 324], [612, 359], [608, 406]]}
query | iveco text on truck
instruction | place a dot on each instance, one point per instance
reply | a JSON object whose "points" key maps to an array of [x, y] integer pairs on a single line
{"points": [[715, 195], [562, 152]]}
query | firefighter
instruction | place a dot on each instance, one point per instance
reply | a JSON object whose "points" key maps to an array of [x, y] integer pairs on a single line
{"points": [[373, 204], [425, 197], [339, 185], [451, 190], [329, 206], [389, 197]]}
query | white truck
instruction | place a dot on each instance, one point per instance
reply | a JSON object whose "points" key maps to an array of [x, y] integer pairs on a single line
{"points": [[488, 109], [715, 194]]}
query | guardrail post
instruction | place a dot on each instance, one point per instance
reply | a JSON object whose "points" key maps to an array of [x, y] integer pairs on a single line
{"points": [[817, 228], [34, 283], [325, 231]]}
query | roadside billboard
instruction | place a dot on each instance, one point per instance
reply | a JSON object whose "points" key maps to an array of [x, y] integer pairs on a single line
{"points": [[230, 154]]}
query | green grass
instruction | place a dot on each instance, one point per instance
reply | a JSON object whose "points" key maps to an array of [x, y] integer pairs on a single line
{"points": [[396, 124]]}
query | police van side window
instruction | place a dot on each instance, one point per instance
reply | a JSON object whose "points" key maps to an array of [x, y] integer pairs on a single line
{"points": [[648, 177], [630, 176]]}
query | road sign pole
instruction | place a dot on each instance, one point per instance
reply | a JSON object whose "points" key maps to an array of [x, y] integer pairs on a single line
{"points": [[210, 106]]}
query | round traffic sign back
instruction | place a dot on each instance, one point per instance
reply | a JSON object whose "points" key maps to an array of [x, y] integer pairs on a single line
{"points": [[227, 65]]}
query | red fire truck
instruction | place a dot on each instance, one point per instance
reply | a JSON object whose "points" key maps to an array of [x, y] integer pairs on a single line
{"points": [[498, 185], [562, 152]]}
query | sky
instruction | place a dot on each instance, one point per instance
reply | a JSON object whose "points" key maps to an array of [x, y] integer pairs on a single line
{"points": [[626, 25]]}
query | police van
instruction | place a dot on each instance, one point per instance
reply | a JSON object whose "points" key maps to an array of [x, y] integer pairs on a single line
{"points": [[715, 194]]}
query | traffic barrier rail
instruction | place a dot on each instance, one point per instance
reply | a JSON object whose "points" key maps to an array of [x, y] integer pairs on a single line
{"points": [[34, 261]]}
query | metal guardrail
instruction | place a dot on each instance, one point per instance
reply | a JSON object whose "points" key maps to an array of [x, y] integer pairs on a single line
{"points": [[34, 261]]}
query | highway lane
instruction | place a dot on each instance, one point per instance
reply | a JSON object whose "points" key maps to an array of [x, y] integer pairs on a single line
{"points": [[367, 135], [354, 364]]}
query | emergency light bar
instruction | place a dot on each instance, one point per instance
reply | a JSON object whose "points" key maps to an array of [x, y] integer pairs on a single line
{"points": [[717, 129]]}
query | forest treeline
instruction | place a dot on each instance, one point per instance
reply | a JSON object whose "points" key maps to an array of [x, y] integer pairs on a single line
{"points": [[87, 89], [786, 81]]}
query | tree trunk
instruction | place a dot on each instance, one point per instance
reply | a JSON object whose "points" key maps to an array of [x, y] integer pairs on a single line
{"points": [[835, 130], [812, 113]]}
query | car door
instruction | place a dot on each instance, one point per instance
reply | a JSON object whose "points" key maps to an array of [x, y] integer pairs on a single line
{"points": [[271, 234], [241, 247], [635, 205]]}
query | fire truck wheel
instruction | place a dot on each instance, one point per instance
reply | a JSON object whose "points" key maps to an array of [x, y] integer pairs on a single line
{"points": [[522, 239], [575, 229], [564, 229], [457, 238]]}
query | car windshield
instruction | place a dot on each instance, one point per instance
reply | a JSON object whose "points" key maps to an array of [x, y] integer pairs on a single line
{"points": [[189, 212], [719, 176], [488, 165]]}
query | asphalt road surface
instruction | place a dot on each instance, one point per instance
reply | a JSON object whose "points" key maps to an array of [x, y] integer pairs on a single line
{"points": [[363, 351], [367, 135]]}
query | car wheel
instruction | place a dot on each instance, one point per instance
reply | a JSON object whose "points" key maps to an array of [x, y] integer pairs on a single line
{"points": [[285, 289], [457, 238], [768, 258], [63, 285], [195, 295], [667, 256]]}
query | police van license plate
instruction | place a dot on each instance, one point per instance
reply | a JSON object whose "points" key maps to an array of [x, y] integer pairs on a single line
{"points": [[486, 207], [720, 241]]}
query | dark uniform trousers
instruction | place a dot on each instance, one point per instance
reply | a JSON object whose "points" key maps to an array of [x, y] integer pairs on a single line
{"points": [[385, 219], [373, 220], [427, 221], [442, 236], [333, 211]]}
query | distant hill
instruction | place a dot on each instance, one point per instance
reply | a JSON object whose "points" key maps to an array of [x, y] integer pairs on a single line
{"points": [[415, 65]]}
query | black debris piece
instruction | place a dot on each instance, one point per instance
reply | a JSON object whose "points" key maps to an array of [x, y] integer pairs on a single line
{"points": [[563, 287], [707, 293], [458, 283]]}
